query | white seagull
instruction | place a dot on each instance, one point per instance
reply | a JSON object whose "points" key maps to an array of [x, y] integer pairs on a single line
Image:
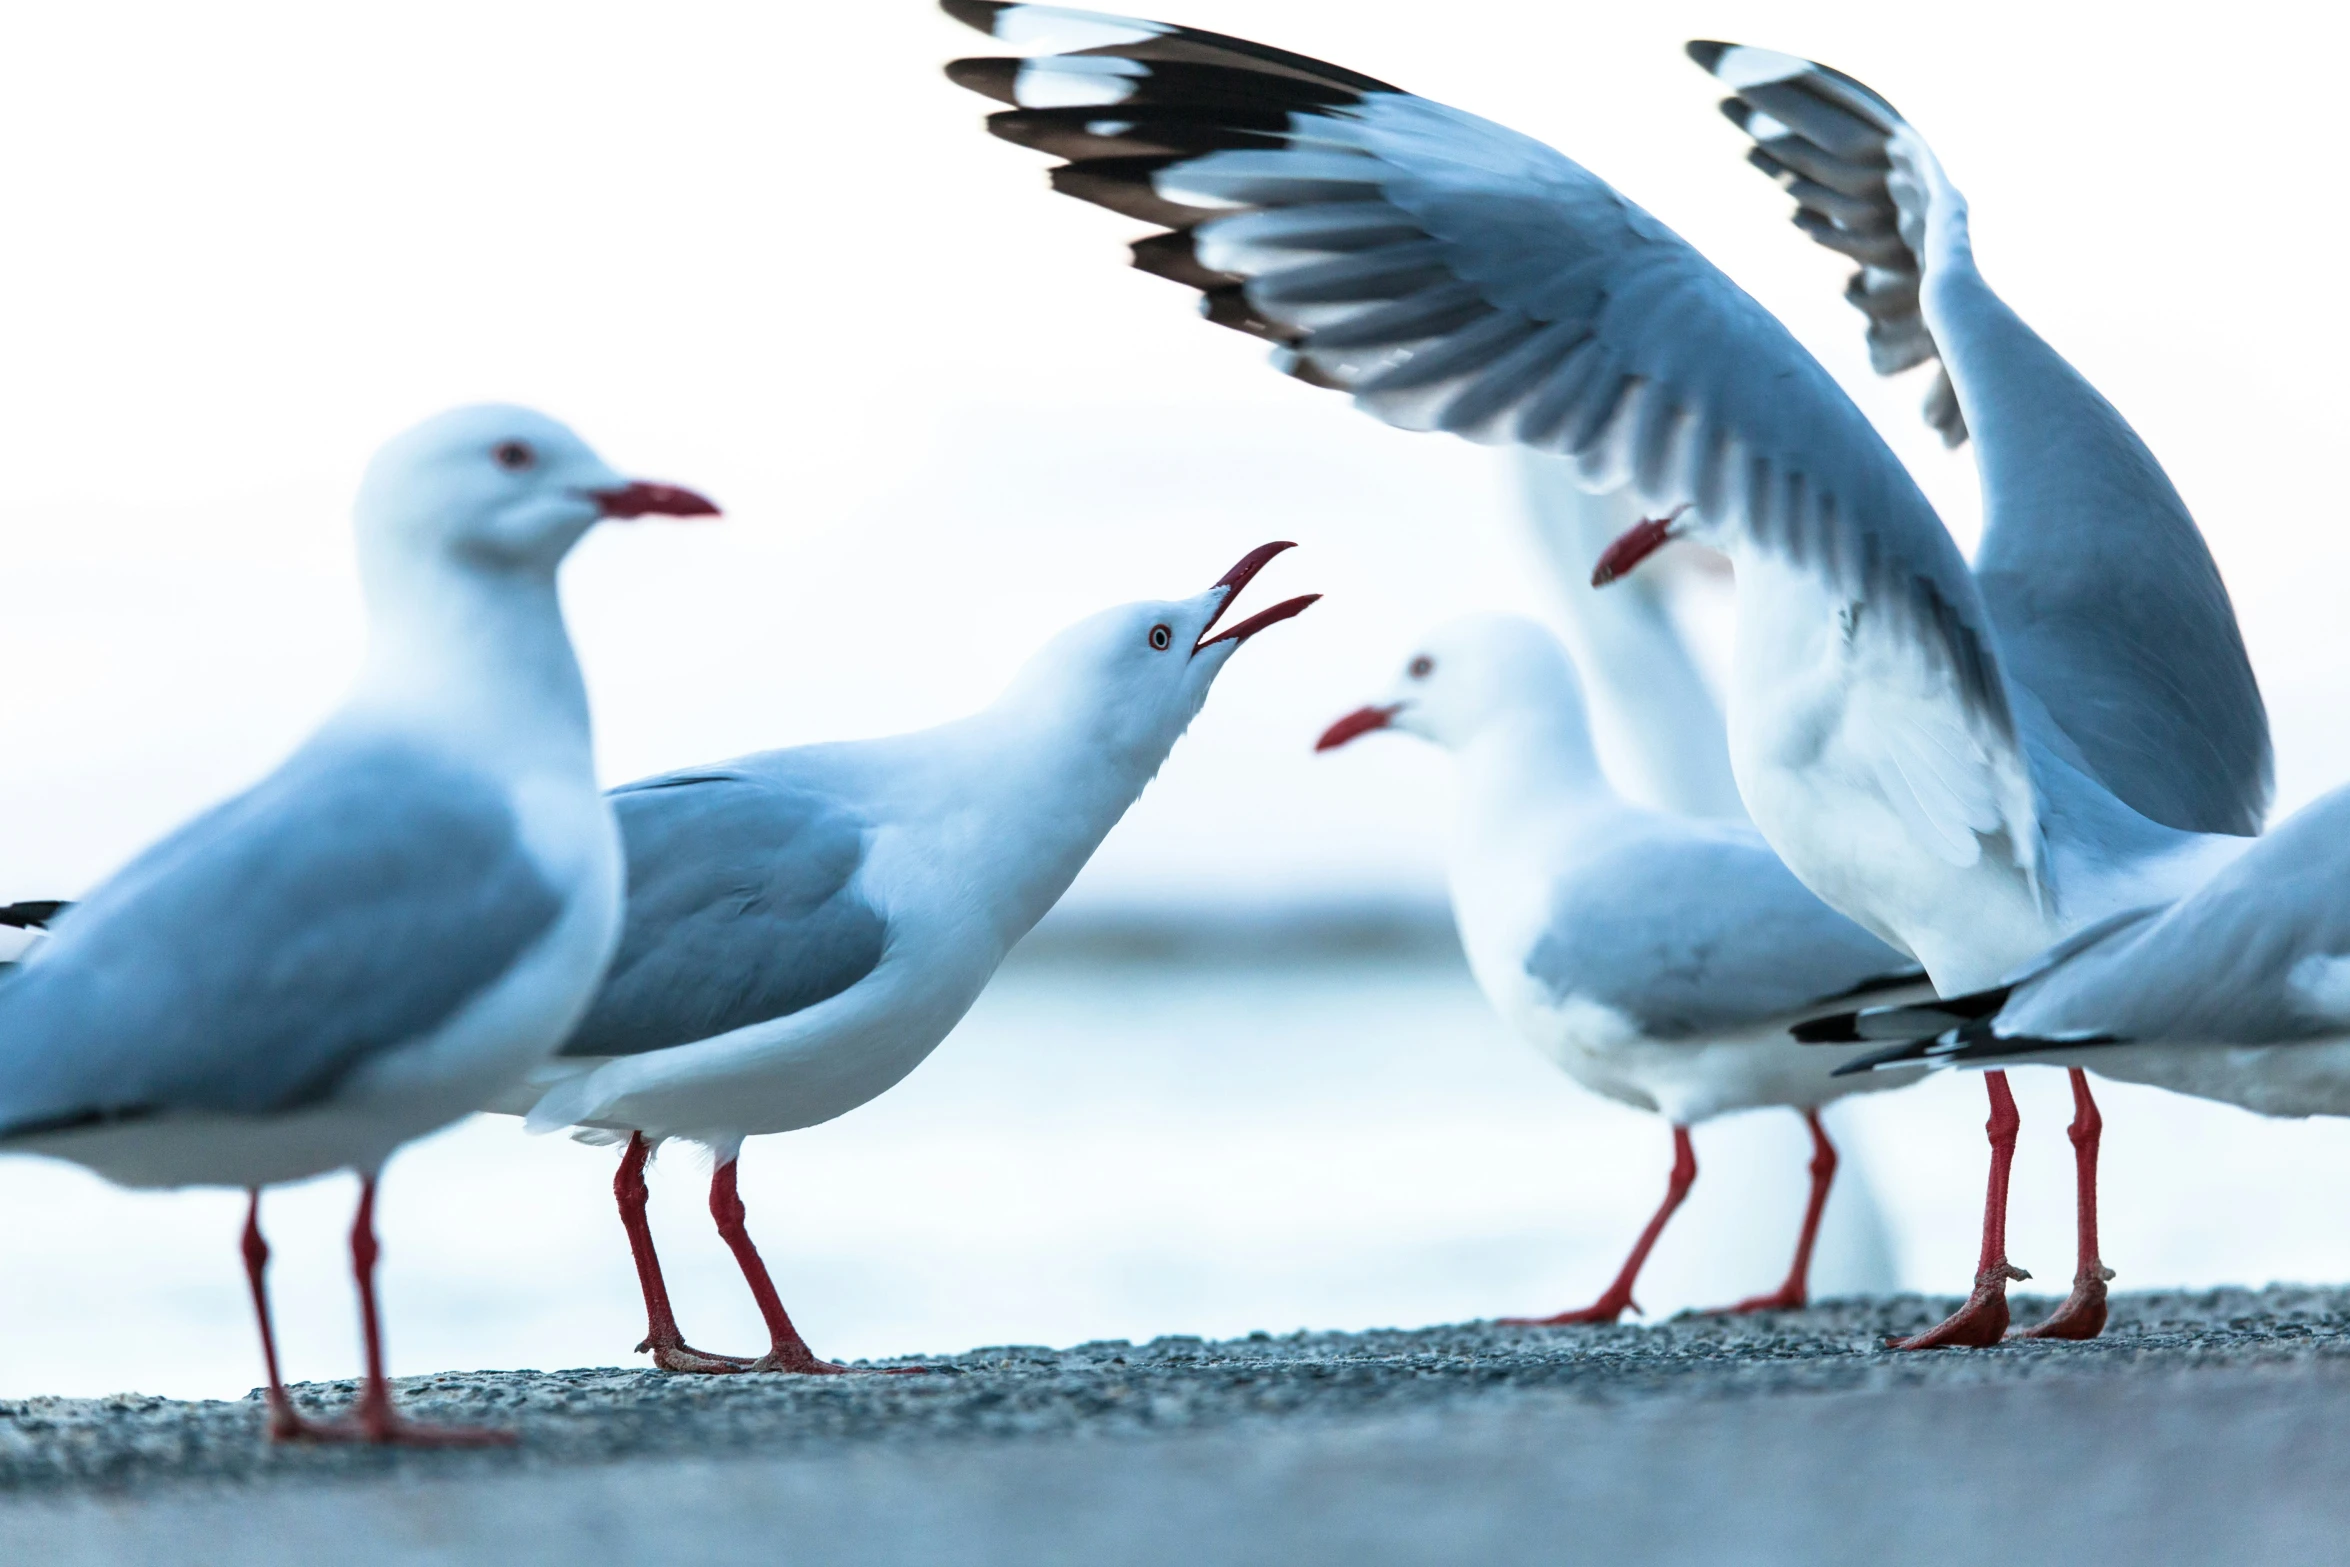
{"points": [[1654, 718], [2239, 991], [1657, 959], [1970, 771], [411, 910], [804, 926]]}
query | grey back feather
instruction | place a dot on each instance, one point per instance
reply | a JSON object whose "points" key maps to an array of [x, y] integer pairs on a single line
{"points": [[1693, 935], [741, 908], [2107, 602], [348, 904]]}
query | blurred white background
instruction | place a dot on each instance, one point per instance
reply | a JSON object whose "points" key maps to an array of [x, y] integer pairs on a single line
{"points": [[768, 251]]}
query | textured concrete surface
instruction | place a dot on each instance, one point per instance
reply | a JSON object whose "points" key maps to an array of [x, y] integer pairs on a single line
{"points": [[2206, 1427]]}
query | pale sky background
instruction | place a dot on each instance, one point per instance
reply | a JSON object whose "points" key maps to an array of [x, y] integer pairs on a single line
{"points": [[768, 251]]}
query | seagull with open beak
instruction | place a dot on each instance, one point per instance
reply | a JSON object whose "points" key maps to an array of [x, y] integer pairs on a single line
{"points": [[805, 925]]}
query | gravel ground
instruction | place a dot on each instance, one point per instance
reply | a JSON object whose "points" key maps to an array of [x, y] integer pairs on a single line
{"points": [[2202, 1425]]}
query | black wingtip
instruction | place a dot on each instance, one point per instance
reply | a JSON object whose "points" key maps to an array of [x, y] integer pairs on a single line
{"points": [[32, 915], [1910, 1053], [1707, 52], [980, 14], [1842, 1028], [990, 78]]}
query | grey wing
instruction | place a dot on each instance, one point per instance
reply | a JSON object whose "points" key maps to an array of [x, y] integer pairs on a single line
{"points": [[741, 909], [2107, 602], [1636, 667], [346, 905], [2260, 954], [1454, 275], [1692, 936]]}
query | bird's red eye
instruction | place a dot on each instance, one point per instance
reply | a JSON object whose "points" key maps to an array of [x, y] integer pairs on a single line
{"points": [[1420, 668], [513, 456], [1162, 638]]}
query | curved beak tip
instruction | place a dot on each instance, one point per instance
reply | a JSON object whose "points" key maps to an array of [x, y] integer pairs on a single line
{"points": [[1238, 578], [1360, 722], [642, 499]]}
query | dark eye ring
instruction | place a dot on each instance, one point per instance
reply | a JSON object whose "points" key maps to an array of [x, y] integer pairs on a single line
{"points": [[513, 456], [1420, 668], [1162, 638]]}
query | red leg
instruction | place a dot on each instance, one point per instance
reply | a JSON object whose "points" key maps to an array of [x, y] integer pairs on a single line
{"points": [[2083, 1313], [1982, 1321], [787, 1351], [1795, 1293], [286, 1423], [1618, 1297], [377, 1420], [670, 1350]]}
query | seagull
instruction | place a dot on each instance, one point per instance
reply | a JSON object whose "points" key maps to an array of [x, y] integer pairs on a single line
{"points": [[1645, 693], [411, 910], [1657, 959], [805, 925], [1968, 767], [2239, 991]]}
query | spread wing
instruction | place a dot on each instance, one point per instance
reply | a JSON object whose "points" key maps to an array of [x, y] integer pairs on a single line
{"points": [[2107, 602], [348, 904], [741, 909], [1454, 275]]}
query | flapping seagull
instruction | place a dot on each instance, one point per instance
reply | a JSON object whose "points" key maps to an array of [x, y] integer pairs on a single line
{"points": [[409, 912], [2239, 991], [1657, 959], [1451, 274], [804, 926]]}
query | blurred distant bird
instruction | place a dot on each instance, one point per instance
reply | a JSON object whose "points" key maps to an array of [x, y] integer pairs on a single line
{"points": [[1656, 958], [1650, 707], [804, 926], [1969, 767], [2239, 991], [411, 910]]}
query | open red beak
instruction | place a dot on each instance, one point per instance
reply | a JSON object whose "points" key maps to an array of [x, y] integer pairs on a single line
{"points": [[1634, 545], [1355, 724], [641, 499], [1238, 578]]}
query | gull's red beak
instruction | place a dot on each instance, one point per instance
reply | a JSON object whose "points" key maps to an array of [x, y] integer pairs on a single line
{"points": [[641, 499], [1354, 725], [1634, 545], [1236, 579]]}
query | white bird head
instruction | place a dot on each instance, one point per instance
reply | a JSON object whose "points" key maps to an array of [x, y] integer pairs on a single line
{"points": [[1135, 676], [1467, 677], [498, 487]]}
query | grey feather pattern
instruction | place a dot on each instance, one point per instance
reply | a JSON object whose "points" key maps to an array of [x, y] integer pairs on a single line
{"points": [[1694, 935], [348, 904], [2107, 602], [741, 907], [1565, 318]]}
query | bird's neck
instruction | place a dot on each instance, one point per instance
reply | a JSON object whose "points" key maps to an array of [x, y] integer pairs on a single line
{"points": [[477, 657], [1527, 768], [1039, 793]]}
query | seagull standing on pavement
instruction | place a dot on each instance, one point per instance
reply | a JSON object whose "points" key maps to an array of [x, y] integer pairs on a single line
{"points": [[1968, 769], [409, 912], [804, 926], [1657, 959]]}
